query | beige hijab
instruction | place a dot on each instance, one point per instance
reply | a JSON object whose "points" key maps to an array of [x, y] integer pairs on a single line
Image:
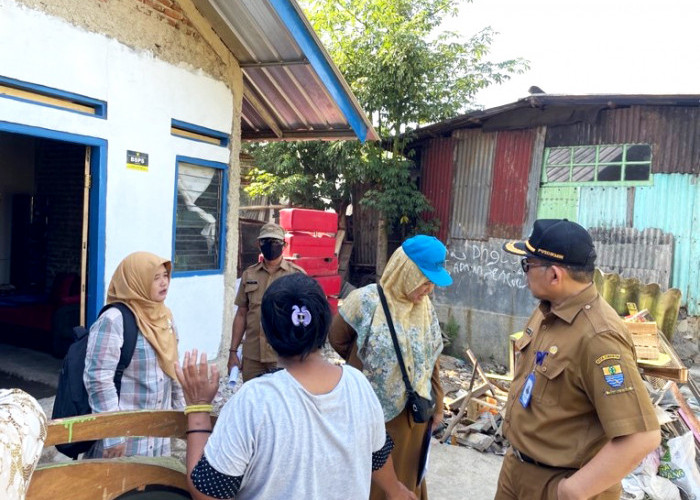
{"points": [[131, 284], [401, 277]]}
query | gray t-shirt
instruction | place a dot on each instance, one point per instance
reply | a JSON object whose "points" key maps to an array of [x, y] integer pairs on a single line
{"points": [[289, 443]]}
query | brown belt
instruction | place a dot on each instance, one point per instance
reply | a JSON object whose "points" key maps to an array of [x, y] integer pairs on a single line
{"points": [[526, 459]]}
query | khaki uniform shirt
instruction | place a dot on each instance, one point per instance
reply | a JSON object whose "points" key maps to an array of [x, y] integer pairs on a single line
{"points": [[587, 389], [254, 282]]}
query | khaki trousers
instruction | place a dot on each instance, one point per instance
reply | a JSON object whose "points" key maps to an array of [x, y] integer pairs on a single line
{"points": [[253, 368], [524, 481]]}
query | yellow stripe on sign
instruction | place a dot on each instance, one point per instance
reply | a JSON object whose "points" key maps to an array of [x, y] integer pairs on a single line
{"points": [[612, 370]]}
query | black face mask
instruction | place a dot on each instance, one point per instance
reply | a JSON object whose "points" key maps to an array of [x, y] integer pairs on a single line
{"points": [[271, 248]]}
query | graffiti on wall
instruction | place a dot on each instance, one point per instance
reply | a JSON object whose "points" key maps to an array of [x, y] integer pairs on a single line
{"points": [[480, 261], [485, 278]]}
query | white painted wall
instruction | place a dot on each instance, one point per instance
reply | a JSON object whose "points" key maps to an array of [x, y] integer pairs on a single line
{"points": [[143, 94]]}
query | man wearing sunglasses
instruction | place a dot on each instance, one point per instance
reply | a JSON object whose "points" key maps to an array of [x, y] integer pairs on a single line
{"points": [[578, 416], [258, 356]]}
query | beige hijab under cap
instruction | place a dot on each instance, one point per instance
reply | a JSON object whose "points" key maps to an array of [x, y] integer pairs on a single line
{"points": [[131, 284]]}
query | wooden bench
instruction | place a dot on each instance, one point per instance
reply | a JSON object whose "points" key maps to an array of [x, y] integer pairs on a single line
{"points": [[109, 479]]}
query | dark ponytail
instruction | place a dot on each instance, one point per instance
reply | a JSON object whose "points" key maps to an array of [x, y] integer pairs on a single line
{"points": [[295, 315]]}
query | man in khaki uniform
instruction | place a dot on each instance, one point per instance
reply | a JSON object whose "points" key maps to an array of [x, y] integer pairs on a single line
{"points": [[258, 356], [578, 416]]}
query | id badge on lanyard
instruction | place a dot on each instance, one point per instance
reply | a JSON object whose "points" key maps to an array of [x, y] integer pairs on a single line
{"points": [[526, 392]]}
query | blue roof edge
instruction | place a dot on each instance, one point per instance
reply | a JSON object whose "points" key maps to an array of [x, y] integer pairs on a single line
{"points": [[317, 58]]}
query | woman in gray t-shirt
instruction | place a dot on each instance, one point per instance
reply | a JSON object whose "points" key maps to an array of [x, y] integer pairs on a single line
{"points": [[310, 430]]}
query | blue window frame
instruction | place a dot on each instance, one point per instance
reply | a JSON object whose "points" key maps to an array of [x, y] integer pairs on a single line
{"points": [[199, 219], [198, 133], [53, 98]]}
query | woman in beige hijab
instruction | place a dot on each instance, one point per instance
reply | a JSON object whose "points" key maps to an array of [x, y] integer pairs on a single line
{"points": [[140, 282]]}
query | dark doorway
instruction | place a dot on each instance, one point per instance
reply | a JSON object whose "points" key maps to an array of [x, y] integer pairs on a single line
{"points": [[41, 228]]}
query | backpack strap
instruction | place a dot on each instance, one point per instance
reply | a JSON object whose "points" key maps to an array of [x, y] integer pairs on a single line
{"points": [[130, 333]]}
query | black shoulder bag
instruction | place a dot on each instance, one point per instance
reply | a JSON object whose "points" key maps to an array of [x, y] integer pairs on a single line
{"points": [[421, 409]]}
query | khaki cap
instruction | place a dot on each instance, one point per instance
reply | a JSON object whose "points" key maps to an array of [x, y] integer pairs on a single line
{"points": [[271, 230]]}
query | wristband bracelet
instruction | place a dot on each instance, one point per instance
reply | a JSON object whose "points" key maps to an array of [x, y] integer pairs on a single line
{"points": [[233, 350], [198, 408], [208, 431]]}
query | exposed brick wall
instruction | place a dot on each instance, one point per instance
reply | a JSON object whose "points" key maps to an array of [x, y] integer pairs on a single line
{"points": [[158, 26], [59, 182], [168, 11]]}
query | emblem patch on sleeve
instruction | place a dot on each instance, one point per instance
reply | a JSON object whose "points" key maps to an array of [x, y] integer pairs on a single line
{"points": [[614, 376]]}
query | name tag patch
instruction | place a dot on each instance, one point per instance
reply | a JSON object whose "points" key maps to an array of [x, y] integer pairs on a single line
{"points": [[614, 376], [605, 357]]}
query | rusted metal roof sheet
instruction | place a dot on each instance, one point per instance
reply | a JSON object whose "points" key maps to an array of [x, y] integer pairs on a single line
{"points": [[510, 183], [474, 153], [292, 89], [436, 180], [550, 110], [672, 132]]}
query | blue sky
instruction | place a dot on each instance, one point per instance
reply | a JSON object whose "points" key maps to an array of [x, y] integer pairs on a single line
{"points": [[590, 47]]}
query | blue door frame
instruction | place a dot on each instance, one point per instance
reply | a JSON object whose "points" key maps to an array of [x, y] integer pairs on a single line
{"points": [[96, 218]]}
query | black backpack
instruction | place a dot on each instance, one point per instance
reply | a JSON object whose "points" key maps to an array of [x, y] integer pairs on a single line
{"points": [[71, 396]]}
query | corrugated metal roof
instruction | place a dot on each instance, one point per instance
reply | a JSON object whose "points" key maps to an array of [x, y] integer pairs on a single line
{"points": [[672, 132], [550, 109], [292, 89]]}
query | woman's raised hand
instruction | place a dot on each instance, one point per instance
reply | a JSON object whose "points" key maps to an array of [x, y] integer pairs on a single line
{"points": [[198, 383]]}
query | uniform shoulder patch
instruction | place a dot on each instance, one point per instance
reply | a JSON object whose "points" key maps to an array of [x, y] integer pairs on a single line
{"points": [[614, 376], [605, 357]]}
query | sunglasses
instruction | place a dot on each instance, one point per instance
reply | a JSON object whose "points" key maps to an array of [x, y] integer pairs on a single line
{"points": [[528, 265]]}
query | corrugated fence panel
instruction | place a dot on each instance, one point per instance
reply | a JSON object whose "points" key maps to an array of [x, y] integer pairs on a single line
{"points": [[473, 169], [511, 170], [602, 206], [673, 132], [670, 205], [646, 255], [436, 180]]}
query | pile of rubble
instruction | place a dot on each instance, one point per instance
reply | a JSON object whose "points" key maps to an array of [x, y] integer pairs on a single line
{"points": [[474, 402]]}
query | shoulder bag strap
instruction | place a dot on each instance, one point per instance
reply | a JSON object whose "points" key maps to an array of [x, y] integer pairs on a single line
{"points": [[389, 322]]}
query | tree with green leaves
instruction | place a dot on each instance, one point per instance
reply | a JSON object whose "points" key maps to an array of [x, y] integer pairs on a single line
{"points": [[405, 73]]}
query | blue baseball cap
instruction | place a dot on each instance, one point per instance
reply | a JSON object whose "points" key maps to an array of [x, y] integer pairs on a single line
{"points": [[428, 253]]}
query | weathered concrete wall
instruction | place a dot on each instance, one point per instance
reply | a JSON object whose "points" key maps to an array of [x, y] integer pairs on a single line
{"points": [[489, 298], [158, 26], [108, 51]]}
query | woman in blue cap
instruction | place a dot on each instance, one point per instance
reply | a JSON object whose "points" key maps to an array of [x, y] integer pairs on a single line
{"points": [[361, 334]]}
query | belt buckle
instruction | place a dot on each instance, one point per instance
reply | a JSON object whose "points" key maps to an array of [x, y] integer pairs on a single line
{"points": [[517, 454]]}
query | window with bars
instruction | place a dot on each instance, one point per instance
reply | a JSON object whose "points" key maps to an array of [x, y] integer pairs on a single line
{"points": [[198, 244], [623, 164]]}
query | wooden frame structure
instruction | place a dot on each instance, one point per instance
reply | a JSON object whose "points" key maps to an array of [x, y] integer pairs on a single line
{"points": [[108, 479]]}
